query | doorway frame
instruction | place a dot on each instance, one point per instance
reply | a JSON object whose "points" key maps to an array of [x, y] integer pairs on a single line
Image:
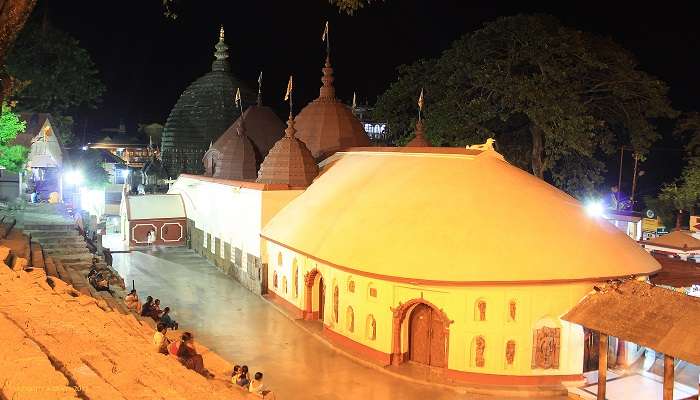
{"points": [[399, 354], [312, 281]]}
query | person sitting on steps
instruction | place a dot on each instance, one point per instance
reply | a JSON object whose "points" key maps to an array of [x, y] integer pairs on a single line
{"points": [[235, 374], [147, 307], [167, 321], [132, 301], [161, 341], [155, 310], [256, 386], [188, 356], [243, 379]]}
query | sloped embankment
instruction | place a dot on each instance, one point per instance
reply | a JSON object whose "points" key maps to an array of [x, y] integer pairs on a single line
{"points": [[60, 344]]}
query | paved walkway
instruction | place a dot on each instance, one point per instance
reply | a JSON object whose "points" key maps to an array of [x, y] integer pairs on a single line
{"points": [[245, 329]]}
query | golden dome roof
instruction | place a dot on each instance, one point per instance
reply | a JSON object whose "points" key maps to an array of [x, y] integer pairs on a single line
{"points": [[450, 216], [326, 125]]}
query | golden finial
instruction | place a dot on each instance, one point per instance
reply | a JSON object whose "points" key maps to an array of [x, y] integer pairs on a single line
{"points": [[221, 33]]}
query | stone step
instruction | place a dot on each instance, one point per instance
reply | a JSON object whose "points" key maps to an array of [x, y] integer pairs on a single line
{"points": [[53, 233], [63, 242], [66, 246], [55, 236], [49, 227]]}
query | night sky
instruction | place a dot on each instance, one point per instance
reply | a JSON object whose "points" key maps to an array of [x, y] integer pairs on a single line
{"points": [[146, 60]]}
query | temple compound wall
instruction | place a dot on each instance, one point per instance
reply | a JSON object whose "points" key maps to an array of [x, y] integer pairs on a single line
{"points": [[225, 217], [509, 334]]}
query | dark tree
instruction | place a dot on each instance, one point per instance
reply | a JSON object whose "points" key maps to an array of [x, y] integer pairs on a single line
{"points": [[555, 98]]}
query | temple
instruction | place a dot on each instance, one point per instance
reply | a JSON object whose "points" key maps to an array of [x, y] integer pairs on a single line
{"points": [[203, 112], [350, 236]]}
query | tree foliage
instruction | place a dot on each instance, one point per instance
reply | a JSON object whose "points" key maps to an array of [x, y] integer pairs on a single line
{"points": [[556, 99], [12, 157], [13, 16], [62, 77], [59, 76]]}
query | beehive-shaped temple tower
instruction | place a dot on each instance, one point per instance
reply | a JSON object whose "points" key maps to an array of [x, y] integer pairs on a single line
{"points": [[202, 113]]}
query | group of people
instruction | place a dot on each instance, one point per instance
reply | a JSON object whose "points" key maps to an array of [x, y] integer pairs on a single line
{"points": [[151, 308], [241, 379], [183, 349], [98, 279]]}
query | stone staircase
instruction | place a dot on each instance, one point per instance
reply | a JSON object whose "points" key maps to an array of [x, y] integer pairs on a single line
{"points": [[62, 243]]}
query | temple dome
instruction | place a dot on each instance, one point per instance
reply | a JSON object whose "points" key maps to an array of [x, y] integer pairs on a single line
{"points": [[419, 140], [289, 162], [450, 216], [262, 126], [326, 125], [232, 156], [202, 113]]}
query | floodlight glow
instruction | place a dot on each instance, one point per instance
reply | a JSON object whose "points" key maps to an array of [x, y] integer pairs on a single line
{"points": [[74, 177], [84, 148], [594, 208], [125, 173]]}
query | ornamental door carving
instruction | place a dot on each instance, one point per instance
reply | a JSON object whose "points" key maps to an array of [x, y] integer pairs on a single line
{"points": [[545, 348], [427, 340]]}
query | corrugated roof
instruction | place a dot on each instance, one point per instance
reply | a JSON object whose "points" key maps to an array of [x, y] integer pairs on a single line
{"points": [[675, 240], [651, 316]]}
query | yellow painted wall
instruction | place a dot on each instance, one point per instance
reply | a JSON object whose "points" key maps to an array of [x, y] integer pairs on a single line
{"points": [[537, 305]]}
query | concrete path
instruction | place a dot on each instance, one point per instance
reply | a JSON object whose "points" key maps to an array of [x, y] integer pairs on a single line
{"points": [[245, 329]]}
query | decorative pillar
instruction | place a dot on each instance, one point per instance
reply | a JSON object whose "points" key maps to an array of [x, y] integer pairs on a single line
{"points": [[308, 295], [602, 365], [396, 356], [668, 377]]}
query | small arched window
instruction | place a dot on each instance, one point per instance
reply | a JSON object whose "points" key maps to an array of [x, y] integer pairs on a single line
{"points": [[351, 285], [295, 278], [510, 352], [480, 310], [478, 352], [336, 295], [371, 291], [350, 319], [512, 309], [371, 328], [279, 259], [274, 280]]}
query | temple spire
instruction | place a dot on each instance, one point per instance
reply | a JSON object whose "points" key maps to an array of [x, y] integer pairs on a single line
{"points": [[221, 54], [290, 131], [327, 90]]}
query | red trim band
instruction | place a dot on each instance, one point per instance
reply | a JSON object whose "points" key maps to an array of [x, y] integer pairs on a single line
{"points": [[428, 282]]}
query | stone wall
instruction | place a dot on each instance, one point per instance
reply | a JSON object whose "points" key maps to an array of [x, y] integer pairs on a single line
{"points": [[241, 266]]}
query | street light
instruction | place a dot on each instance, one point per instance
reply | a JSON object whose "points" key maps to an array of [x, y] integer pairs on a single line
{"points": [[594, 208], [74, 177]]}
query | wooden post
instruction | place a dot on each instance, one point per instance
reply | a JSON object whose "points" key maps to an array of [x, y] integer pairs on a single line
{"points": [[621, 360], [602, 365], [668, 377]]}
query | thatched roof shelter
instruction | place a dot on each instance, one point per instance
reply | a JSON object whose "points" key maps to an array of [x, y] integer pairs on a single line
{"points": [[651, 316]]}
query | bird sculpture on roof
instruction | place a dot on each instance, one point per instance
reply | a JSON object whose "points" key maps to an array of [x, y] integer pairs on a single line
{"points": [[488, 145]]}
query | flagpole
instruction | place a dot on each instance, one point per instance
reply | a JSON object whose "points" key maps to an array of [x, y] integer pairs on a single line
{"points": [[328, 41]]}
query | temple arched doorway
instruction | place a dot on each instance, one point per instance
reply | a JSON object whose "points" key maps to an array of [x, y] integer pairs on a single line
{"points": [[314, 295], [427, 336]]}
